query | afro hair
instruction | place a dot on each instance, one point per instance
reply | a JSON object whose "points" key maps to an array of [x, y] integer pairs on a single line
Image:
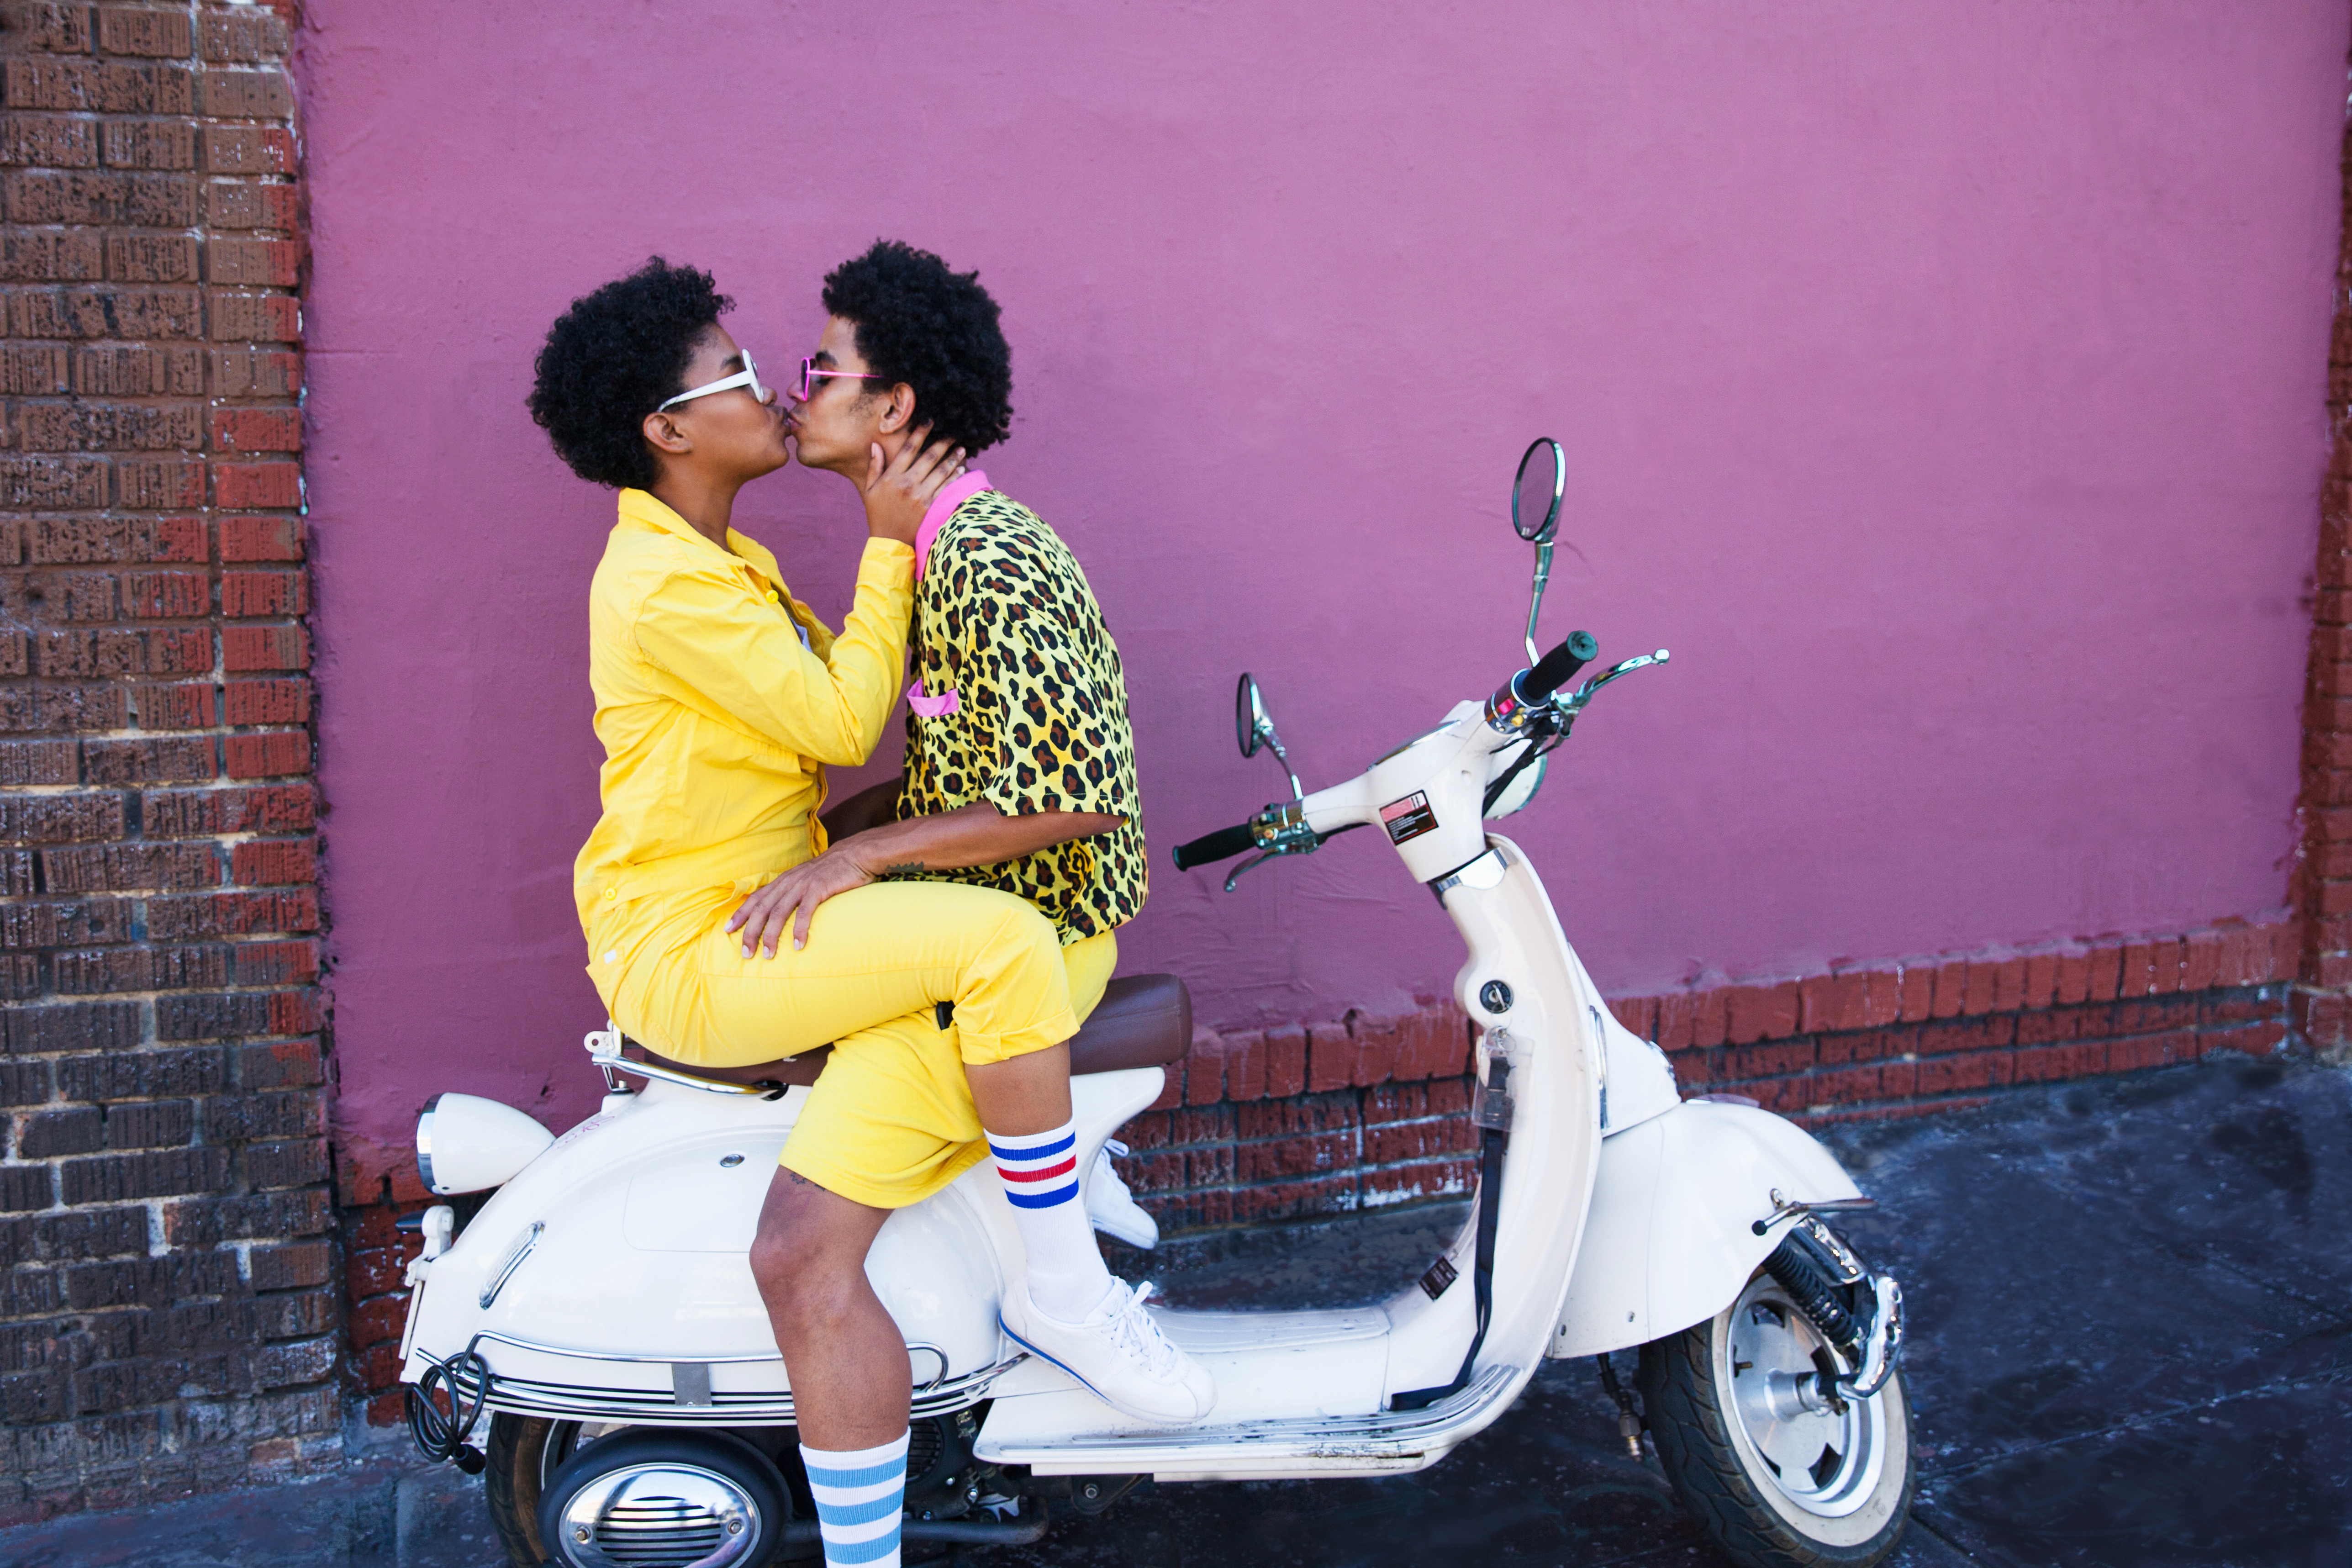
{"points": [[612, 358], [934, 330]]}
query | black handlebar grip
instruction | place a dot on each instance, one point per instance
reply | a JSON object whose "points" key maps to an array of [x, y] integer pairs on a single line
{"points": [[1558, 666], [1223, 844]]}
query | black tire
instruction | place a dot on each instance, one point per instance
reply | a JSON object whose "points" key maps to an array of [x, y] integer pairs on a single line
{"points": [[1847, 1511], [703, 1465], [522, 1451]]}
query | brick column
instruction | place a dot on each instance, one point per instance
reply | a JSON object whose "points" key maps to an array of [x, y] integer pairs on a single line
{"points": [[170, 1319], [2323, 882]]}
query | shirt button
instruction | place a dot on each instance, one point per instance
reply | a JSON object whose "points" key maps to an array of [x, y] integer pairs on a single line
{"points": [[611, 894]]}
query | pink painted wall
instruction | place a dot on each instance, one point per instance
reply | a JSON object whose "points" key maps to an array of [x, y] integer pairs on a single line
{"points": [[1943, 384]]}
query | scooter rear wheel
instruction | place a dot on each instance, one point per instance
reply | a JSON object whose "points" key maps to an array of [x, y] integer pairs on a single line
{"points": [[1775, 1475], [522, 1452]]}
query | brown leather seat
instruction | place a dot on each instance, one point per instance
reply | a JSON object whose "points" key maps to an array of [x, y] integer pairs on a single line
{"points": [[1142, 1021]]}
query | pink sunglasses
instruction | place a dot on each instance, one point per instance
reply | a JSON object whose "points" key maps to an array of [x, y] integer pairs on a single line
{"points": [[810, 374]]}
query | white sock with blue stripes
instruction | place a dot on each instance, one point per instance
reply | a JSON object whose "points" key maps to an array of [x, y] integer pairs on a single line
{"points": [[859, 1496], [1067, 1277]]}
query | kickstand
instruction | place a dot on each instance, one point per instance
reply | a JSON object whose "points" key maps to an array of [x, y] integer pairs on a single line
{"points": [[1629, 1420]]}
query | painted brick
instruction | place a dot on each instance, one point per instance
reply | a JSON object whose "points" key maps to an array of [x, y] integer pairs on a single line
{"points": [[167, 34], [159, 484], [269, 701], [261, 539], [254, 319], [149, 761], [265, 647], [32, 368], [258, 484], [248, 150], [192, 706], [148, 144], [1754, 1013], [1332, 1057], [36, 256], [78, 484], [1286, 1068], [272, 594], [256, 429], [130, 867], [94, 197], [256, 373], [278, 752], [1203, 1065], [250, 205], [1915, 992], [254, 263], [60, 27], [158, 371], [49, 140]]}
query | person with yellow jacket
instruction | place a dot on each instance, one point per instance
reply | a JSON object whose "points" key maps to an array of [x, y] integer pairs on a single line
{"points": [[721, 700]]}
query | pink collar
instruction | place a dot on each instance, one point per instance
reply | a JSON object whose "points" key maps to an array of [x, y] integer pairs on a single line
{"points": [[943, 505]]}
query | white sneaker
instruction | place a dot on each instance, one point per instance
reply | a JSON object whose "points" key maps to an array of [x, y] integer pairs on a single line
{"points": [[1112, 1208], [1122, 1355]]}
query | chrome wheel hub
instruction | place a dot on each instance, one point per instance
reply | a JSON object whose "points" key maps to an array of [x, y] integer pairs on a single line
{"points": [[1823, 1459], [671, 1515]]}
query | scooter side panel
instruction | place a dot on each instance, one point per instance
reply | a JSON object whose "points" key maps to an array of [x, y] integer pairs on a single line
{"points": [[1670, 1240]]}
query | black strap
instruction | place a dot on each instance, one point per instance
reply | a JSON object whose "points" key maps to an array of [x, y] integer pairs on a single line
{"points": [[1482, 1276]]}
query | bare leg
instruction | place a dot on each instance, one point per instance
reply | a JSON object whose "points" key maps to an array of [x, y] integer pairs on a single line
{"points": [[1022, 1094], [851, 1379]]}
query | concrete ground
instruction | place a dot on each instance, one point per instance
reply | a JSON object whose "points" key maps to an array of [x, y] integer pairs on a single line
{"points": [[2132, 1309]]}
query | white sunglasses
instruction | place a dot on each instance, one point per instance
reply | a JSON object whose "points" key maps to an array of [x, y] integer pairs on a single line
{"points": [[748, 376]]}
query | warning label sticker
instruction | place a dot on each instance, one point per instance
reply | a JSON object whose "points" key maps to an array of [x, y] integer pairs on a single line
{"points": [[1408, 819]]}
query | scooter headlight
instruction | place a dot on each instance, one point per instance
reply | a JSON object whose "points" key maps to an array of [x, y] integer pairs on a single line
{"points": [[469, 1144]]}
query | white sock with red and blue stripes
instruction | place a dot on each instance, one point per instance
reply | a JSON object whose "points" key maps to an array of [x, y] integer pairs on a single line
{"points": [[860, 1495], [1066, 1277]]}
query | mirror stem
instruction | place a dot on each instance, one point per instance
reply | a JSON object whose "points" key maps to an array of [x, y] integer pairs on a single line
{"points": [[1535, 608], [1274, 743]]}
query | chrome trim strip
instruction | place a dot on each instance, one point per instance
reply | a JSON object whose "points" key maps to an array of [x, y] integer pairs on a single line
{"points": [[533, 1396], [1472, 873], [516, 1250], [425, 1143]]}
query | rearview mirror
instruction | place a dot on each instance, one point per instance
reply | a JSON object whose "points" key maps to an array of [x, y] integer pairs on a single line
{"points": [[1253, 727], [1250, 723], [1536, 490]]}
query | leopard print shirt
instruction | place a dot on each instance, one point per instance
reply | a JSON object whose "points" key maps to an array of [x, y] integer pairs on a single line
{"points": [[1005, 618]]}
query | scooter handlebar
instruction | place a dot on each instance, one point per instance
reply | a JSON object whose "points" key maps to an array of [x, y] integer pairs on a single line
{"points": [[1558, 667], [1223, 844]]}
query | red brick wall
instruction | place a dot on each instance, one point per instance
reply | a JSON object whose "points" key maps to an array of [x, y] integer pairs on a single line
{"points": [[1312, 1122], [1363, 1113], [170, 1319], [2324, 870]]}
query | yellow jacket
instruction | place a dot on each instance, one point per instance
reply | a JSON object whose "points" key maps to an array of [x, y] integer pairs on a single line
{"points": [[719, 699]]}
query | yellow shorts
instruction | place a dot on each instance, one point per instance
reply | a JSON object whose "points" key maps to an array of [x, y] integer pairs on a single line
{"points": [[677, 981], [890, 1120]]}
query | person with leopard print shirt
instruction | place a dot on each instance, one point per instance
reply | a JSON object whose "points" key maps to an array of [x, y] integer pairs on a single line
{"points": [[1020, 778]]}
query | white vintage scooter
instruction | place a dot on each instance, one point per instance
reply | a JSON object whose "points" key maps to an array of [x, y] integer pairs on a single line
{"points": [[598, 1306]]}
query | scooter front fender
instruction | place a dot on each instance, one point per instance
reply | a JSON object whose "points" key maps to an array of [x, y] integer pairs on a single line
{"points": [[1671, 1238]]}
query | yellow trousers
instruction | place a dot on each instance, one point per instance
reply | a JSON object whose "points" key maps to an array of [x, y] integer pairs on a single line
{"points": [[890, 1120], [872, 953]]}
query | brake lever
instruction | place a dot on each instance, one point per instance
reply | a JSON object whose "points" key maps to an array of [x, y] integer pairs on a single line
{"points": [[1260, 858], [1584, 693]]}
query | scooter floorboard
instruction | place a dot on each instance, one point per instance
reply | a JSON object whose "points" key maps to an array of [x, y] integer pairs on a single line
{"points": [[1024, 1431]]}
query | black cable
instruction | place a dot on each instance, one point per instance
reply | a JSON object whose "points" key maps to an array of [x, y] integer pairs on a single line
{"points": [[1495, 791], [442, 1436]]}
